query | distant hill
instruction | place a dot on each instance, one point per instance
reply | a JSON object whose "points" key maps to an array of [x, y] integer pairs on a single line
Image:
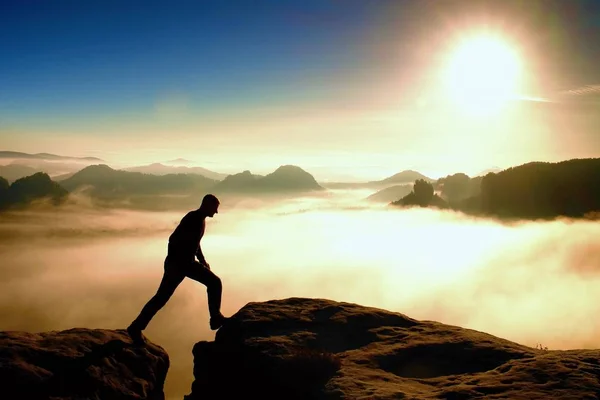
{"points": [[289, 177], [22, 167], [285, 179], [25, 190], [458, 187], [243, 181], [45, 156], [179, 161], [62, 177], [103, 181], [407, 176], [110, 187], [535, 190], [351, 185], [12, 172], [542, 190], [391, 193], [401, 178], [161, 169], [487, 171]]}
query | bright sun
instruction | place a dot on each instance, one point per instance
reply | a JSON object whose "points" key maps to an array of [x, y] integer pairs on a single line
{"points": [[482, 75]]}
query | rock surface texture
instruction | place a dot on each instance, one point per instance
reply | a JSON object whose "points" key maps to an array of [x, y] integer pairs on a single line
{"points": [[80, 364], [301, 348]]}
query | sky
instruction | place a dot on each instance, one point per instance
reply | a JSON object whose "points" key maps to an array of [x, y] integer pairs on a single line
{"points": [[361, 88]]}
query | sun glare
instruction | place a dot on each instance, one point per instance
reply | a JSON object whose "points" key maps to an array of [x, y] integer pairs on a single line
{"points": [[483, 73]]}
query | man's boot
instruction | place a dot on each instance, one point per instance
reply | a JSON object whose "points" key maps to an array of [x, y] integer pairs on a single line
{"points": [[136, 335], [217, 321]]}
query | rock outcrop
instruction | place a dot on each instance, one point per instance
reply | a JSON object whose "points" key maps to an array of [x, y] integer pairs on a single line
{"points": [[300, 348], [80, 364]]}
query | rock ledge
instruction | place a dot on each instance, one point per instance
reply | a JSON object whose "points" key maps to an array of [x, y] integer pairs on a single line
{"points": [[299, 348]]}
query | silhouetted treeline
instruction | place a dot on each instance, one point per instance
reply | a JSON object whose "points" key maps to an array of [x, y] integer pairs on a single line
{"points": [[26, 190], [422, 195], [542, 190], [457, 187], [534, 190]]}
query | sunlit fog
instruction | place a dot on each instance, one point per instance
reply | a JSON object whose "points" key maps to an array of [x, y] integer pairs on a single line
{"points": [[80, 267]]}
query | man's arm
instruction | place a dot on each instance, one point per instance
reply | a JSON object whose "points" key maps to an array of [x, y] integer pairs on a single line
{"points": [[200, 256], [199, 249]]}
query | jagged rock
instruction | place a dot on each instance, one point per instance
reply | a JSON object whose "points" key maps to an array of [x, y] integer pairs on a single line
{"points": [[78, 364], [300, 348]]}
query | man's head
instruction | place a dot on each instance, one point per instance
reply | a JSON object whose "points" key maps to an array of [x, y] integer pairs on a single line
{"points": [[210, 205]]}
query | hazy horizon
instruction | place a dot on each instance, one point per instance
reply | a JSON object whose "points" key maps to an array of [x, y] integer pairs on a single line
{"points": [[320, 172], [364, 89]]}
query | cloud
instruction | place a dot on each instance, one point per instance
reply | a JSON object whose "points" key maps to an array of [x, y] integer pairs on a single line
{"points": [[582, 91], [82, 267], [588, 94]]}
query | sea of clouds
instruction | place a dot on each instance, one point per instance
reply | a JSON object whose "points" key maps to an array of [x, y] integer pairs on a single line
{"points": [[79, 266]]}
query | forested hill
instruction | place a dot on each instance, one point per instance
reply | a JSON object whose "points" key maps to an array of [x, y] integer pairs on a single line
{"points": [[534, 190], [541, 189]]}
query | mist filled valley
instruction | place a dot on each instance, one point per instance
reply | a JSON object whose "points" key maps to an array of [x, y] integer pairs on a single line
{"points": [[81, 266]]}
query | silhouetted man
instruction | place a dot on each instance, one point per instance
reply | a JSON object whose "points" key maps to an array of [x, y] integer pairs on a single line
{"points": [[184, 245]]}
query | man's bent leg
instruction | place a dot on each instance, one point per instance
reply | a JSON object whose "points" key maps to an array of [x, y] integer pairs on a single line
{"points": [[214, 289], [172, 277]]}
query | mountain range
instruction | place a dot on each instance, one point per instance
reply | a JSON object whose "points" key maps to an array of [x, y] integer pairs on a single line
{"points": [[286, 178], [179, 161], [405, 177], [12, 172], [162, 169], [106, 184], [532, 190], [175, 181], [391, 193], [45, 156], [111, 187]]}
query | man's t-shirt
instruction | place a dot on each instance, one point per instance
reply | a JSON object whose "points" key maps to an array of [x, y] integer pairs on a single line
{"points": [[185, 239]]}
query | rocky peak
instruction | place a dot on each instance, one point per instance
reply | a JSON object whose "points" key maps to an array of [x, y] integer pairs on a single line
{"points": [[300, 348], [78, 364]]}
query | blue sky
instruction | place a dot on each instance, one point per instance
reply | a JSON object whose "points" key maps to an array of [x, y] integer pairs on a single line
{"points": [[75, 56], [165, 78]]}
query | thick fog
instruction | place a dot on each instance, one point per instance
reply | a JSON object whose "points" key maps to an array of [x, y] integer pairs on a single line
{"points": [[82, 267]]}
